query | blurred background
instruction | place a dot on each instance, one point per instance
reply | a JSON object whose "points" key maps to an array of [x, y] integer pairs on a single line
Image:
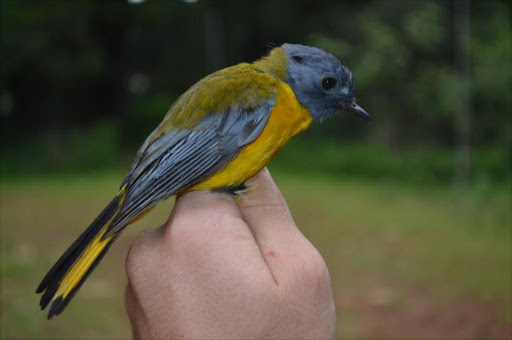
{"points": [[412, 213]]}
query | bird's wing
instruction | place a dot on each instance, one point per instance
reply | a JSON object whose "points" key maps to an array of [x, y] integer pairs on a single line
{"points": [[182, 157]]}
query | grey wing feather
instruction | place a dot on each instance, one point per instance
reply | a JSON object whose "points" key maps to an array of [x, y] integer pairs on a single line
{"points": [[183, 158], [152, 152]]}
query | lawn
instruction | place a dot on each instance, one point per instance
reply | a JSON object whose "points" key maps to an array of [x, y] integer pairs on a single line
{"points": [[405, 261]]}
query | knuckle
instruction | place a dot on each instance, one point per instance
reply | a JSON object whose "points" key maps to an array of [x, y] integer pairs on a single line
{"points": [[311, 281], [183, 224], [139, 245], [313, 272], [199, 231], [137, 258]]}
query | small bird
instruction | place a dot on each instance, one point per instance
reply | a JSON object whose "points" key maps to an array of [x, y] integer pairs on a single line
{"points": [[218, 134]]}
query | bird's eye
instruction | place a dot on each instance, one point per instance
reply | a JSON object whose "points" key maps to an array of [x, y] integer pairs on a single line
{"points": [[328, 83], [298, 59]]}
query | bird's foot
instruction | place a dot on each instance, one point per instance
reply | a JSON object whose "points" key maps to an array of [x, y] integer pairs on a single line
{"points": [[236, 190], [239, 190]]}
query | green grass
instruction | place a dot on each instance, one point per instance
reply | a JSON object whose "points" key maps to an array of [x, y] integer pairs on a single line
{"points": [[376, 237]]}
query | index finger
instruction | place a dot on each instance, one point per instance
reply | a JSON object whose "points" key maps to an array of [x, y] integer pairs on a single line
{"points": [[265, 211]]}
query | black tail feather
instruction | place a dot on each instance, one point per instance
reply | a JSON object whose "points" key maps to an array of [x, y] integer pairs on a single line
{"points": [[52, 279], [60, 303]]}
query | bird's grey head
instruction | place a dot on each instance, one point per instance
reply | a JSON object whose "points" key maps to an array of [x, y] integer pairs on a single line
{"points": [[321, 83]]}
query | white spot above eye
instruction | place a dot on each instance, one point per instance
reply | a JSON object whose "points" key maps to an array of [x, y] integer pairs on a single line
{"points": [[344, 90]]}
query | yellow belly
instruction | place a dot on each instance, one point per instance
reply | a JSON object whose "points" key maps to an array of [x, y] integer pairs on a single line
{"points": [[288, 118]]}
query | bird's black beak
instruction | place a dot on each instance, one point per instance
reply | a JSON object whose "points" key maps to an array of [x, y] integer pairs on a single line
{"points": [[358, 110]]}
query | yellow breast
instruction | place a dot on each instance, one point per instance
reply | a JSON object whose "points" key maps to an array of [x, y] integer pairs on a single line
{"points": [[287, 118]]}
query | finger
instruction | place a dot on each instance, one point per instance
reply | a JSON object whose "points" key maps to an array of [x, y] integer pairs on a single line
{"points": [[206, 232], [197, 201], [207, 223], [196, 211], [267, 214]]}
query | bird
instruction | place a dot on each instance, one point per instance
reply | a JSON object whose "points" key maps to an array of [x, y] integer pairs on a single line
{"points": [[216, 135]]}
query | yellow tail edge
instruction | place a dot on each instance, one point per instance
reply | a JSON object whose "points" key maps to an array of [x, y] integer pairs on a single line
{"points": [[72, 269], [81, 267]]}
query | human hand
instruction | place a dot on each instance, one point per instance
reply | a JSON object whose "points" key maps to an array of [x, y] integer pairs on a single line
{"points": [[218, 269]]}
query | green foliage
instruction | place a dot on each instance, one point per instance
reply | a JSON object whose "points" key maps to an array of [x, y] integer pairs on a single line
{"points": [[425, 26], [143, 116], [75, 71], [420, 165], [78, 150]]}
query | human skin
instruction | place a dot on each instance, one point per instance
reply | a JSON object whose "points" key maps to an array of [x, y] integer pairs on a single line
{"points": [[225, 269]]}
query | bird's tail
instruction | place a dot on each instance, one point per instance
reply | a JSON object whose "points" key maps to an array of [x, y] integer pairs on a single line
{"points": [[71, 270]]}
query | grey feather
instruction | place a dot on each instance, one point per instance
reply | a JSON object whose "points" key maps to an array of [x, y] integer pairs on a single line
{"points": [[183, 158]]}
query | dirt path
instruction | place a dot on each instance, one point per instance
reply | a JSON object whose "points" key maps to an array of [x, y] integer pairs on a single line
{"points": [[384, 310]]}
